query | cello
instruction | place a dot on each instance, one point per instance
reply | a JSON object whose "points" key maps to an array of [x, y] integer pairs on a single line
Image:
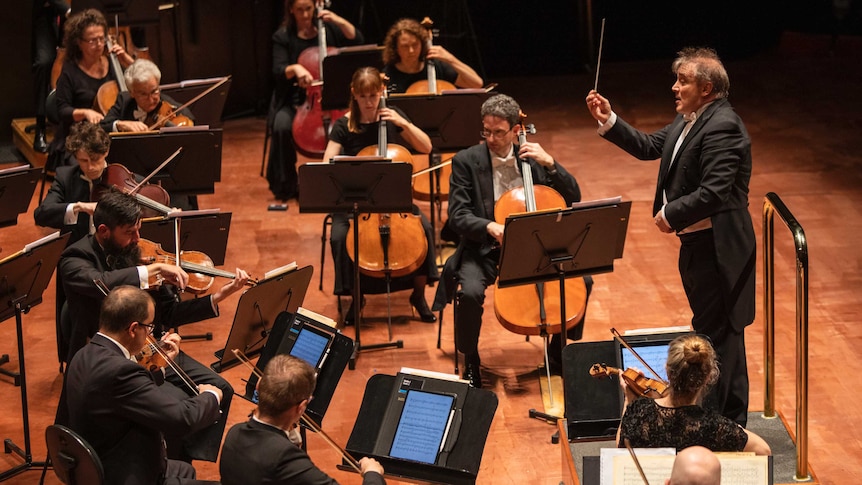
{"points": [[525, 309], [431, 85], [108, 91], [388, 242], [311, 123]]}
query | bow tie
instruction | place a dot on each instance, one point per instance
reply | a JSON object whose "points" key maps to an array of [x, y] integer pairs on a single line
{"points": [[140, 115], [691, 117], [504, 162]]}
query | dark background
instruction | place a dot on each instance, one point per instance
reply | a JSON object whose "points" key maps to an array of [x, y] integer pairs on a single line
{"points": [[499, 38]]}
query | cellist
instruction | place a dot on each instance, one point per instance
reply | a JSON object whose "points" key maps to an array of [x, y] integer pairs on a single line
{"points": [[297, 32], [85, 70], [140, 107], [480, 175], [350, 134]]}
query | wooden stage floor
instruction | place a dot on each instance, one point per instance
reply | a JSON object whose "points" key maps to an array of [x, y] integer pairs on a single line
{"points": [[801, 105]]}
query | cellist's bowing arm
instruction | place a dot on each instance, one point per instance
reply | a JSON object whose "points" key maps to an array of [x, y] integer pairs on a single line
{"points": [[333, 148]]}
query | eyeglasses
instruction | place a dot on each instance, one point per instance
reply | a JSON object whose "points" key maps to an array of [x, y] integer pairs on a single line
{"points": [[95, 40], [140, 94], [150, 327], [486, 133]]}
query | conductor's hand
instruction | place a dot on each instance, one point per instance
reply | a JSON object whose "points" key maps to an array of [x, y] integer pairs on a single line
{"points": [[370, 465], [235, 285], [171, 344], [599, 106], [496, 229]]}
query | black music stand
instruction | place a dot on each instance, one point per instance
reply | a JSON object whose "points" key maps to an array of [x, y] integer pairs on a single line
{"points": [[548, 245], [23, 278], [194, 171], [16, 190], [339, 69], [354, 187], [330, 372], [207, 110], [257, 311], [204, 232], [370, 437]]}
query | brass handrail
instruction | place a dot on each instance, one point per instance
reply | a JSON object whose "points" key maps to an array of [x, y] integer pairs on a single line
{"points": [[771, 204]]}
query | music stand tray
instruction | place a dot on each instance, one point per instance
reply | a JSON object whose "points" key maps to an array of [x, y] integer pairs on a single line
{"points": [[368, 437], [195, 170], [23, 278], [257, 311], [449, 119], [16, 190]]}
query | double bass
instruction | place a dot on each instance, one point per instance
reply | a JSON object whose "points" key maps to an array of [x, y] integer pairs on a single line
{"points": [[390, 245], [311, 123], [534, 309]]}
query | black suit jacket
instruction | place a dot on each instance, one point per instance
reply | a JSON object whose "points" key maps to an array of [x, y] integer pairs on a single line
{"points": [[707, 179], [255, 453], [124, 110], [83, 262], [115, 405], [68, 188]]}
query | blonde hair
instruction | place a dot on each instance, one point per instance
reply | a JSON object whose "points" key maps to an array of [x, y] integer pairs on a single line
{"points": [[692, 365]]}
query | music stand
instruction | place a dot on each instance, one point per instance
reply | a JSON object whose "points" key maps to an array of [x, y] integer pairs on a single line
{"points": [[16, 190], [354, 187], [194, 171], [461, 467], [561, 244], [205, 232], [257, 311], [207, 110], [23, 277], [339, 69]]}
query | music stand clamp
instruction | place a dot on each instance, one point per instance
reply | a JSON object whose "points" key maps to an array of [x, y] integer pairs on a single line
{"points": [[543, 246], [23, 278], [355, 187]]}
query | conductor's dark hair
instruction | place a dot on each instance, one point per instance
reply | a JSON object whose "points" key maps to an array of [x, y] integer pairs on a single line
{"points": [[286, 382], [89, 137], [122, 306], [73, 31], [116, 209], [504, 107]]}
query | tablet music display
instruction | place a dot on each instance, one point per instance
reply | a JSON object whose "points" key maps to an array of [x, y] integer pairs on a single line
{"points": [[423, 426]]}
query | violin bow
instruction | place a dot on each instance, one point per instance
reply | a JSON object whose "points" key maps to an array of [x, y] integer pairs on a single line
{"points": [[305, 419], [156, 170], [637, 463], [165, 119], [627, 346], [187, 380]]}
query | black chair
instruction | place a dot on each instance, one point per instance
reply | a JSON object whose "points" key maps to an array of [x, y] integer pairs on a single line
{"points": [[448, 291], [74, 460]]}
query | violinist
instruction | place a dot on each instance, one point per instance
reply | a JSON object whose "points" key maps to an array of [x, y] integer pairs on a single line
{"points": [[67, 205], [259, 450], [297, 33], [406, 52], [480, 175], [350, 134], [119, 407], [139, 108], [678, 420], [112, 256], [85, 69]]}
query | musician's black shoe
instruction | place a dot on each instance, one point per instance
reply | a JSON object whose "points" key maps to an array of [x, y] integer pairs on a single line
{"points": [[417, 300], [348, 317], [39, 142], [471, 370]]}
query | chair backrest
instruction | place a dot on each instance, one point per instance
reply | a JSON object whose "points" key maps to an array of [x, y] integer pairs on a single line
{"points": [[74, 460]]}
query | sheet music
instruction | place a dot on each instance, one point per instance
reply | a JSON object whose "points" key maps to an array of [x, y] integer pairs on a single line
{"points": [[424, 421], [597, 203], [316, 316], [280, 270], [19, 168], [736, 469], [610, 473], [183, 129], [432, 374], [39, 242]]}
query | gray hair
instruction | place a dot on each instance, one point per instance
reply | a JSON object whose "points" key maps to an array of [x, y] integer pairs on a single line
{"points": [[504, 107], [707, 68], [142, 70]]}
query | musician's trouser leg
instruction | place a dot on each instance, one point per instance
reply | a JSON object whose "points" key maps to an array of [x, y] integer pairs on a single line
{"points": [[475, 274]]}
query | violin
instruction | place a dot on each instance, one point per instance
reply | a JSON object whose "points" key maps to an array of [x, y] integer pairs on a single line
{"points": [[524, 309], [166, 114], [391, 245], [311, 123], [634, 379], [153, 198], [431, 85], [197, 264], [153, 356]]}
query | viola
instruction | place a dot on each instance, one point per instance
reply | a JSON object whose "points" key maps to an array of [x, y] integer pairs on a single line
{"points": [[634, 379], [153, 198], [311, 123], [197, 264], [166, 114], [524, 309], [390, 245], [431, 85]]}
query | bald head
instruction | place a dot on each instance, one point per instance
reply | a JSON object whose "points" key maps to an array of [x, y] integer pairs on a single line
{"points": [[695, 465]]}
